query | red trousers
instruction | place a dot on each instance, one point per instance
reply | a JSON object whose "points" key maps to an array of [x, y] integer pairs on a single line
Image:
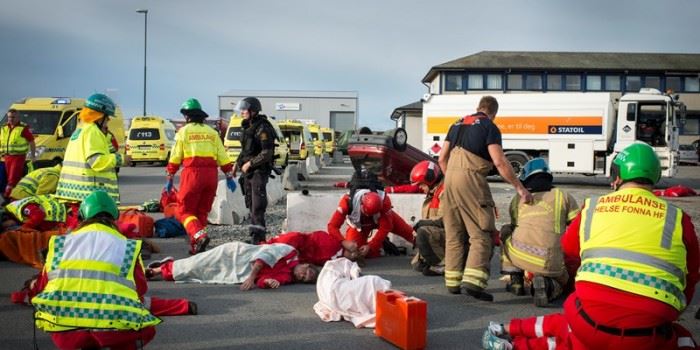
{"points": [[167, 307], [14, 167], [398, 226], [195, 197], [571, 331], [115, 340]]}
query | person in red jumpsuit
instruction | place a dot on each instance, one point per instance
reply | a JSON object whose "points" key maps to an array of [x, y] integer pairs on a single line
{"points": [[15, 140], [317, 247], [267, 268], [367, 211], [199, 150], [628, 295]]}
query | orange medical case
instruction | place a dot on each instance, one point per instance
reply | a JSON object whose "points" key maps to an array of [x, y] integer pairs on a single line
{"points": [[401, 320]]}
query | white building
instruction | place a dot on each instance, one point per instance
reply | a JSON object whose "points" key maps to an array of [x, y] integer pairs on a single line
{"points": [[334, 109]]}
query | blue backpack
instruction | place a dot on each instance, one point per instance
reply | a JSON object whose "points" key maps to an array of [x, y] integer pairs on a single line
{"points": [[168, 227]]}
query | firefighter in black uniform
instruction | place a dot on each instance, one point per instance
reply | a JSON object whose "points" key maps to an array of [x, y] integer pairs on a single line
{"points": [[255, 163]]}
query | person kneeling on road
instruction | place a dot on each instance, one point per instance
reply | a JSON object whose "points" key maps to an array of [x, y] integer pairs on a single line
{"points": [[317, 247], [639, 267], [199, 150], [98, 272], [264, 266], [426, 177], [531, 242], [368, 210]]}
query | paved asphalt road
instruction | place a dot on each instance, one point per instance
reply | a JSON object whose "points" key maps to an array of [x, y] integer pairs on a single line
{"points": [[284, 318]]}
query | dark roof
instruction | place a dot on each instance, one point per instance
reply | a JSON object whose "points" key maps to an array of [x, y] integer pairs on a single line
{"points": [[413, 106], [502, 60]]}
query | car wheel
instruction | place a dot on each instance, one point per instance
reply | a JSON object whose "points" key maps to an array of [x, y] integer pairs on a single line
{"points": [[400, 139], [517, 161], [133, 164]]}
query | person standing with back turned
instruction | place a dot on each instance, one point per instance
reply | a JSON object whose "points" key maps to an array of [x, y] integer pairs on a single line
{"points": [[199, 150], [472, 147], [255, 162]]}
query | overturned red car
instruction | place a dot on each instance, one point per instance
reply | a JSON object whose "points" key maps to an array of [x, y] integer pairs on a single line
{"points": [[388, 155]]}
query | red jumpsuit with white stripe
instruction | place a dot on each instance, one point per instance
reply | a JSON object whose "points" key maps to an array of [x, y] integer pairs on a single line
{"points": [[608, 306], [200, 151], [314, 248], [387, 221]]}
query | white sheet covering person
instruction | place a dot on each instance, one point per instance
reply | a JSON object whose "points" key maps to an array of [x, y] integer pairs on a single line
{"points": [[229, 263], [345, 295]]}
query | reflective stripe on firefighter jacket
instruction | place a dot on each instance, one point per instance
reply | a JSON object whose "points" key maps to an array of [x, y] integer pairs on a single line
{"points": [[91, 283], [538, 228], [12, 142], [88, 166], [54, 210], [37, 182], [201, 142], [632, 240]]}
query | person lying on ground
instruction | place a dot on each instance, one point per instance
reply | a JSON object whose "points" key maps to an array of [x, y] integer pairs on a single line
{"points": [[264, 266], [317, 247], [41, 213]]}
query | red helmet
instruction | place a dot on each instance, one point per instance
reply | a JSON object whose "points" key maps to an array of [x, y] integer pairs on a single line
{"points": [[425, 172], [371, 203]]}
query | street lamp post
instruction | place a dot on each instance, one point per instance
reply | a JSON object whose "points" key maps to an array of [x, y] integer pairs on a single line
{"points": [[145, 46]]}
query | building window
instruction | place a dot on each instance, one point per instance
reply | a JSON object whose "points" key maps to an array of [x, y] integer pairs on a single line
{"points": [[594, 82], [673, 83], [515, 81], [494, 82], [692, 84], [633, 83], [533, 82], [475, 82], [652, 82], [554, 82], [454, 82], [612, 83], [572, 82]]}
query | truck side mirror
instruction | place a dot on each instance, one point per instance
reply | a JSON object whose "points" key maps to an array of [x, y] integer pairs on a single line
{"points": [[59, 132]]}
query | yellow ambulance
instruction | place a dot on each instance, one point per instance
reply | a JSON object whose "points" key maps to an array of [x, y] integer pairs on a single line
{"points": [[329, 137], [150, 139], [232, 142], [52, 120], [298, 138], [317, 137]]}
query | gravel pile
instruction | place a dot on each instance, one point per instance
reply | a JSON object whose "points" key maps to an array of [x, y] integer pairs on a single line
{"points": [[274, 216]]}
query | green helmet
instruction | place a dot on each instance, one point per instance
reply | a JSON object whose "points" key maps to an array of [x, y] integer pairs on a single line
{"points": [[637, 161], [101, 103], [98, 202], [190, 104]]}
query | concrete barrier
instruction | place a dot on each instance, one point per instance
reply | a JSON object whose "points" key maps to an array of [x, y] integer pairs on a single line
{"points": [[312, 165], [337, 157], [275, 191], [311, 212], [302, 174], [228, 208], [290, 178]]}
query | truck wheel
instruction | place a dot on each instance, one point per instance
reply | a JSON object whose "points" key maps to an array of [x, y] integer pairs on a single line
{"points": [[517, 161]]}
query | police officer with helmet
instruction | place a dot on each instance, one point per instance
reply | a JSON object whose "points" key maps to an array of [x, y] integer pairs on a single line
{"points": [[255, 163]]}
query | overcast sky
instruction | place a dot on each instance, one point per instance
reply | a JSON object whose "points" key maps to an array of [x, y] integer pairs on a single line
{"points": [[381, 49]]}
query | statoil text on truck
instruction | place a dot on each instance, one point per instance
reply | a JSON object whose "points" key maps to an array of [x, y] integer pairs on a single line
{"points": [[53, 120], [578, 132]]}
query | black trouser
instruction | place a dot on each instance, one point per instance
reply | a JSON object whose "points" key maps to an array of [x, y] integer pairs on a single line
{"points": [[255, 188]]}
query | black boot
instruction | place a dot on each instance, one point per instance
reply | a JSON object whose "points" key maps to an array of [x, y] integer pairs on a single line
{"points": [[257, 236], [476, 292], [516, 284]]}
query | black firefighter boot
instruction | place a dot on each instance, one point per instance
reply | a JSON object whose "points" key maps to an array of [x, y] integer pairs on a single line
{"points": [[516, 284]]}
